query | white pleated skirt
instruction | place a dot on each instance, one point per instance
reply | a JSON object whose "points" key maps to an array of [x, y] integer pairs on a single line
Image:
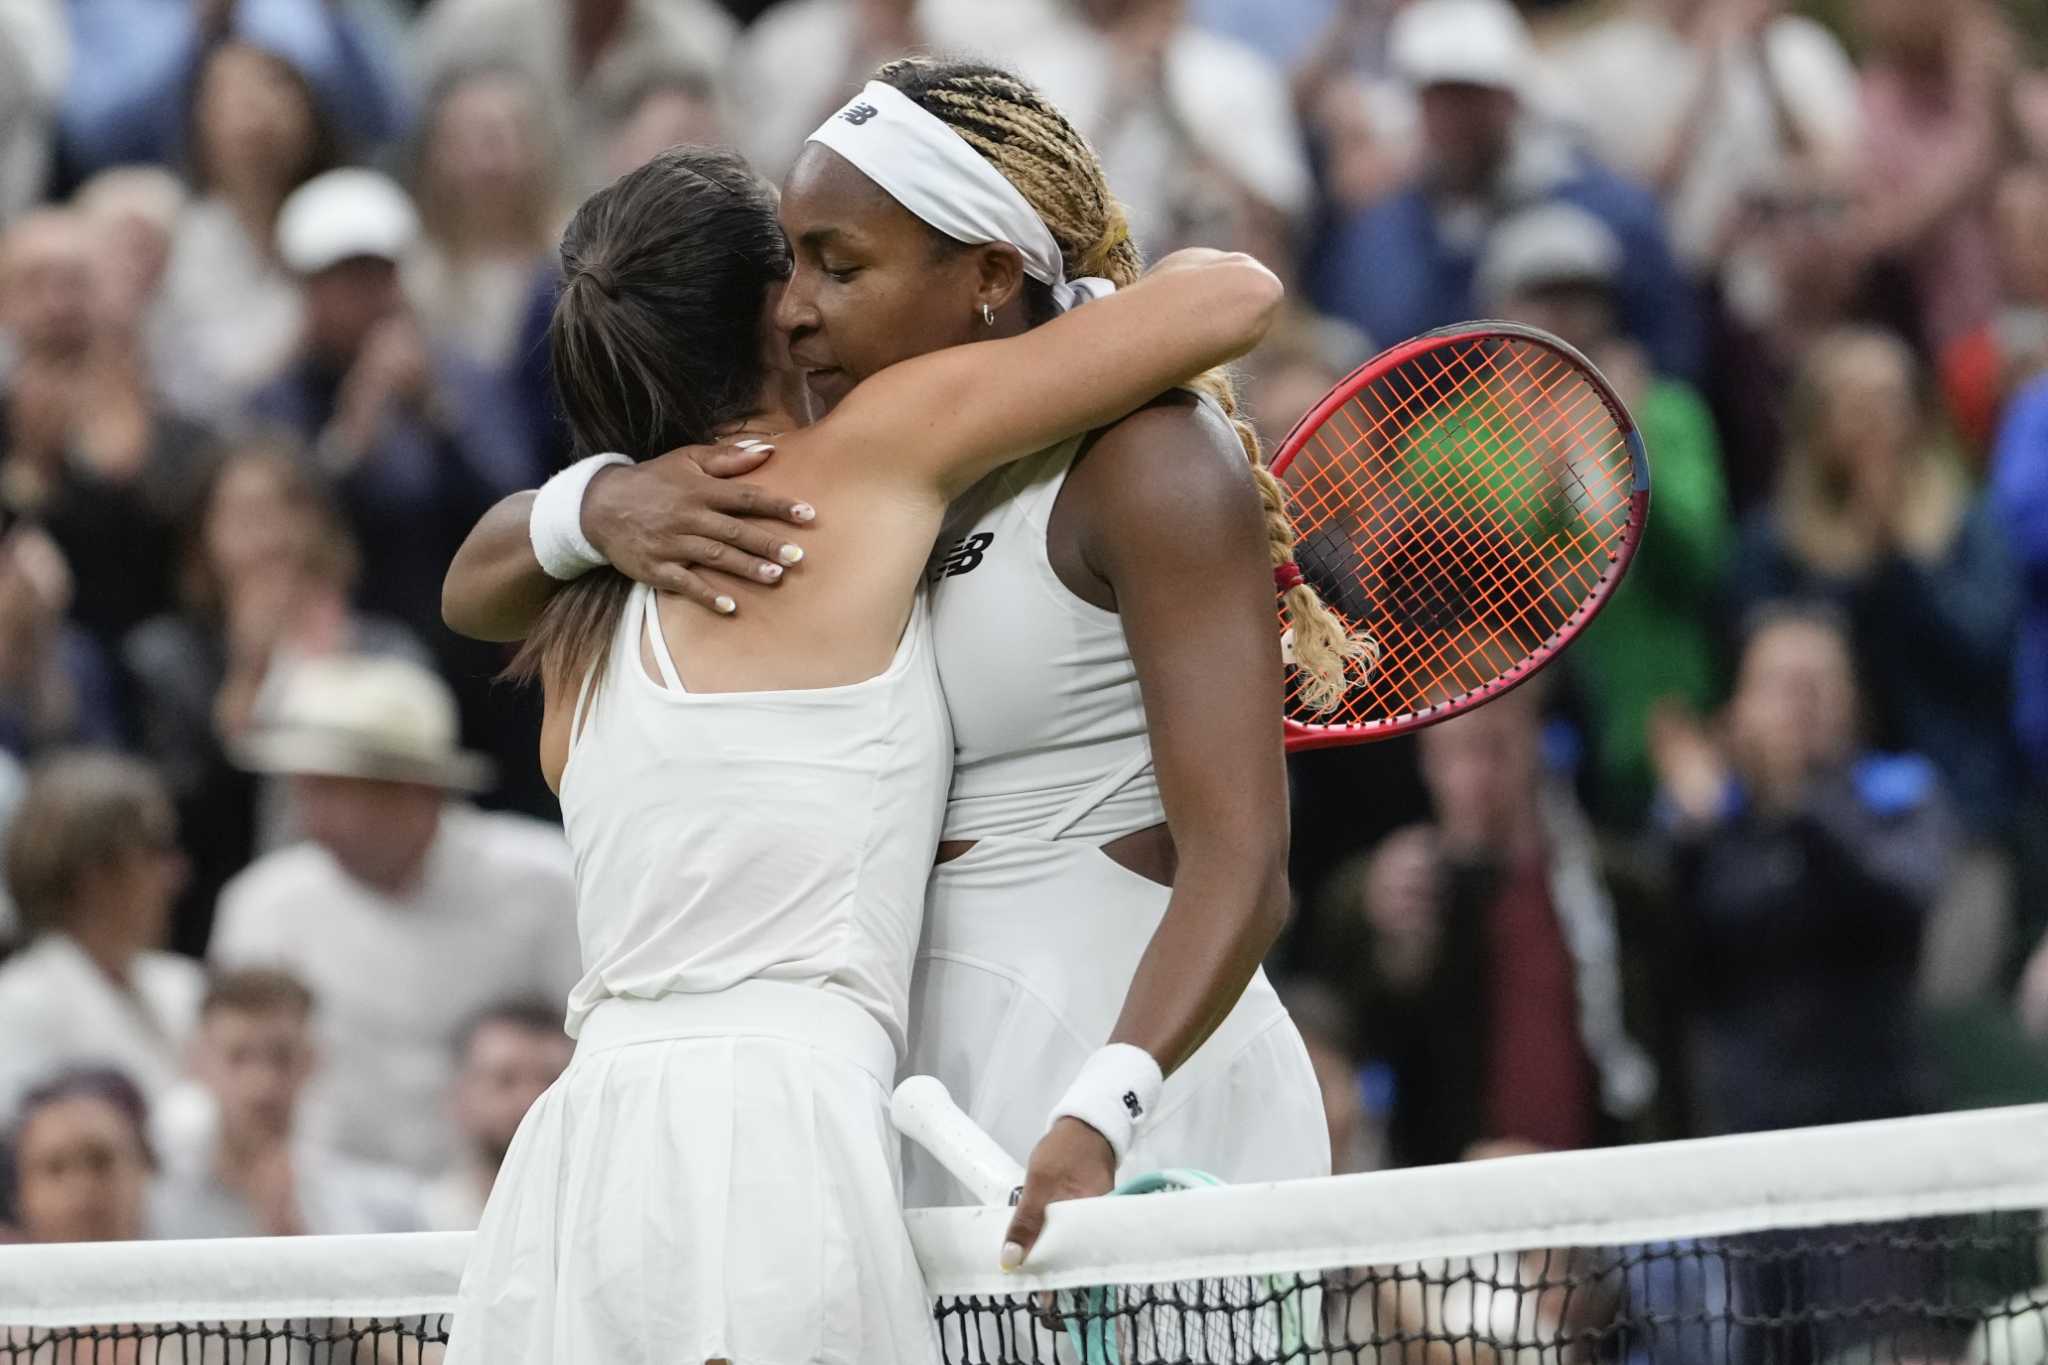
{"points": [[1028, 949], [713, 1178]]}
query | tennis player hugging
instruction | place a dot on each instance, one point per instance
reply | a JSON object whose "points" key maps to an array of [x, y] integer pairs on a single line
{"points": [[1076, 704]]}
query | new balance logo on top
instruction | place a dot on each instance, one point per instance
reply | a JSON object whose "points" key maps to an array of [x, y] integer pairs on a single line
{"points": [[859, 114], [965, 556], [1131, 1103]]}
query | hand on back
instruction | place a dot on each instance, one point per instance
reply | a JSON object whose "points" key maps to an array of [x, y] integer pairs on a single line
{"points": [[678, 521]]}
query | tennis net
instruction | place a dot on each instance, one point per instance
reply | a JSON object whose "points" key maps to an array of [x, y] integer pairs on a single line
{"points": [[1913, 1242]]}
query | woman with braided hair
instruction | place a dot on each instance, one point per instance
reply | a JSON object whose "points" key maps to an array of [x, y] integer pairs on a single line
{"points": [[1113, 863]]}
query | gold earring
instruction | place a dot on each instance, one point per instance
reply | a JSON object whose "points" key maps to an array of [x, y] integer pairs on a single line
{"points": [[988, 316]]}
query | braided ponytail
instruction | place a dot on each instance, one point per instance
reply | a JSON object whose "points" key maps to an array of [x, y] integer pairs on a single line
{"points": [[1051, 164]]}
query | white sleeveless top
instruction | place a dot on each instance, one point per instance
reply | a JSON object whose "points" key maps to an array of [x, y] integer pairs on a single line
{"points": [[782, 835], [1048, 726]]}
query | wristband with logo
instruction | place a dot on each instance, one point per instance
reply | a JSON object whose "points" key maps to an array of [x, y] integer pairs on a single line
{"points": [[555, 526], [1117, 1090]]}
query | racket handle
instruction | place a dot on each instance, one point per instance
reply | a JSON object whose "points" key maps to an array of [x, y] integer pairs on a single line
{"points": [[924, 1112]]}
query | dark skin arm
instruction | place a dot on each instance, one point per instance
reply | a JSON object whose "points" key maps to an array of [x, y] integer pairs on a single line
{"points": [[674, 522], [1167, 522]]}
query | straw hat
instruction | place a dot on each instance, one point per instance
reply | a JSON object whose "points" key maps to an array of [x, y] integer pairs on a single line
{"points": [[382, 718]]}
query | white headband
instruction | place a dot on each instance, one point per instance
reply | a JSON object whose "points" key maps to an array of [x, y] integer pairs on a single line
{"points": [[932, 171]]}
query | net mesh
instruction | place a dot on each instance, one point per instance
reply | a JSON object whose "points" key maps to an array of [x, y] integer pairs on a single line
{"points": [[1913, 1243], [300, 1341], [1952, 1290], [1461, 509]]}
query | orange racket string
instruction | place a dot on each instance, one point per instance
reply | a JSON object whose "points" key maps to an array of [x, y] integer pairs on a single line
{"points": [[1477, 493]]}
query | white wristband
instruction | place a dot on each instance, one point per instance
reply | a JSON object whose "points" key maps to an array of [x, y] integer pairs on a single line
{"points": [[1117, 1090], [555, 526]]}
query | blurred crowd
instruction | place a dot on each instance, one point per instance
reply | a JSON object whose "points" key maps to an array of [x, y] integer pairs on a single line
{"points": [[288, 925]]}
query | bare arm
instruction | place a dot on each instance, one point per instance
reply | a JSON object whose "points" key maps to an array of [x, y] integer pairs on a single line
{"points": [[1180, 535], [1175, 527], [946, 418], [653, 521]]}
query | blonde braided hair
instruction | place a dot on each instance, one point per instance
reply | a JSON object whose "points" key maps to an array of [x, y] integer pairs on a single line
{"points": [[1022, 135]]}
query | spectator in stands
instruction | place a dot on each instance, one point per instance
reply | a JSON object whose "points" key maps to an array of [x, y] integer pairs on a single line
{"points": [[1493, 955], [134, 213], [35, 62], [86, 449], [1197, 132], [1937, 101], [490, 204], [269, 574], [582, 51], [2019, 491], [1873, 516], [92, 866], [666, 107], [1708, 101], [257, 1175], [1806, 868], [134, 60], [1481, 157], [1982, 369], [416, 441], [406, 910], [229, 315], [801, 60], [78, 1162], [55, 685], [1557, 267], [506, 1057], [1300, 361]]}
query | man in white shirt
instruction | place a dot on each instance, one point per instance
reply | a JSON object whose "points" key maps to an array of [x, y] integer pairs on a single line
{"points": [[93, 865], [255, 1175], [406, 911], [505, 1059]]}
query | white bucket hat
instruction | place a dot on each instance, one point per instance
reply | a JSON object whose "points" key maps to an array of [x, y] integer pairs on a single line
{"points": [[381, 718]]}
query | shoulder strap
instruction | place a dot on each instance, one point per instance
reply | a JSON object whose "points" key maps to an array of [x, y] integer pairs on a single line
{"points": [[657, 644]]}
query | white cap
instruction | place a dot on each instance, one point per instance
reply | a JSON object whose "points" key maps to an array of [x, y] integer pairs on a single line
{"points": [[1462, 42], [378, 717], [1554, 243], [344, 214]]}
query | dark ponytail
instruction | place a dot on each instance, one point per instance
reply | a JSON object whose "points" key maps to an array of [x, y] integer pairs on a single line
{"points": [[656, 342]]}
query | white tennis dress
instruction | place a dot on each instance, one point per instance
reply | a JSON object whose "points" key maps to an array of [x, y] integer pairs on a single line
{"points": [[715, 1176], [1031, 939]]}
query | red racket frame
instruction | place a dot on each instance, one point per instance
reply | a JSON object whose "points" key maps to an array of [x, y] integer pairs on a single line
{"points": [[1302, 736]]}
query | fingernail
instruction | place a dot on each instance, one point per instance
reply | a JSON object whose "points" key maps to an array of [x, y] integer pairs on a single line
{"points": [[803, 511], [1013, 1255], [791, 554], [727, 606], [771, 572]]}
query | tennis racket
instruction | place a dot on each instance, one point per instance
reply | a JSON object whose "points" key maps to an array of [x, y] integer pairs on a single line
{"points": [[1467, 500], [1099, 1326]]}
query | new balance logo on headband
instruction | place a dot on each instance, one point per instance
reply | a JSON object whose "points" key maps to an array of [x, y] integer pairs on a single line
{"points": [[965, 556], [859, 114]]}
